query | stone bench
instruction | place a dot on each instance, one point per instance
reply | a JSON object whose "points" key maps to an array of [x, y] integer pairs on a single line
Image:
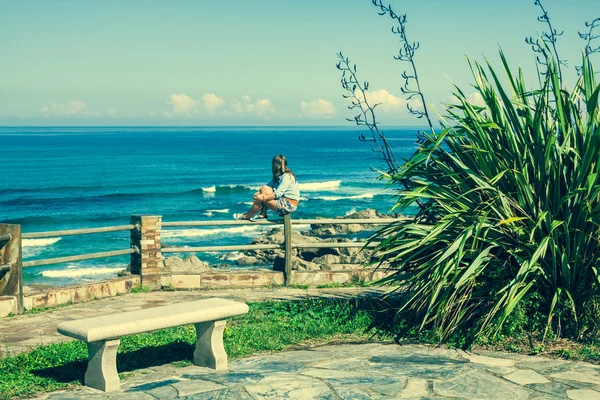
{"points": [[103, 334]]}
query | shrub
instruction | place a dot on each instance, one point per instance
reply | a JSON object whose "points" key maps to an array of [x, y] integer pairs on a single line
{"points": [[509, 198]]}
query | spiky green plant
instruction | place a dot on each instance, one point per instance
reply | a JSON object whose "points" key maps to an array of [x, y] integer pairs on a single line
{"points": [[512, 205]]}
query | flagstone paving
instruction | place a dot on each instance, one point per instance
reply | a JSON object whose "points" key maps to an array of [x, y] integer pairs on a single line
{"points": [[363, 371], [344, 371]]}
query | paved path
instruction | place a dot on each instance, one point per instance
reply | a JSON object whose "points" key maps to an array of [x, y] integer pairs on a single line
{"points": [[23, 332], [364, 371], [346, 371]]}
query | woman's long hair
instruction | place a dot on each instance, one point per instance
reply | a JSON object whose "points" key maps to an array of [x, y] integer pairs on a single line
{"points": [[279, 167]]}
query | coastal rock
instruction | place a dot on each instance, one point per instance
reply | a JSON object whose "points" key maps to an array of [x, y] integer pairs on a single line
{"points": [[298, 264], [246, 260], [190, 264], [233, 256], [308, 258], [327, 259], [345, 229], [125, 272]]}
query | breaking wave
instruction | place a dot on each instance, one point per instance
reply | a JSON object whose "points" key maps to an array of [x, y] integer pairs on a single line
{"points": [[80, 272], [314, 186], [40, 242]]}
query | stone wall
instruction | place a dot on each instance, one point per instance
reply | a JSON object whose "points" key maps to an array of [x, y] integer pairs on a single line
{"points": [[70, 294], [265, 278]]}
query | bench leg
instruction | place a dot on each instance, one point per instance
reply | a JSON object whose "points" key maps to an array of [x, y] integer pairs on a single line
{"points": [[101, 372], [210, 351]]}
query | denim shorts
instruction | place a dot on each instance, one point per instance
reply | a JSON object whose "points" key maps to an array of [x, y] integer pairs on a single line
{"points": [[284, 206]]}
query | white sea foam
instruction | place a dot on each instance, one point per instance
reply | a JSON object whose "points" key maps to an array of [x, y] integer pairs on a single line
{"points": [[210, 213], [336, 198], [210, 189], [315, 186], [235, 255], [79, 272], [40, 242], [302, 227], [210, 232], [350, 211]]}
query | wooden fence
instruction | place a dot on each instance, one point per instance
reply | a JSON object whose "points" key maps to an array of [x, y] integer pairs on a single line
{"points": [[146, 250]]}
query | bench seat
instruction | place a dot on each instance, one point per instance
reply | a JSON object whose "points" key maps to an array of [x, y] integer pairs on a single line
{"points": [[103, 334]]}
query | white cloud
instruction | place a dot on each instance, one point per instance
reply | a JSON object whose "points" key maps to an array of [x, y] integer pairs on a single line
{"points": [[112, 112], [183, 104], [212, 102], [260, 107], [387, 101], [74, 107], [317, 108], [264, 107], [474, 98]]}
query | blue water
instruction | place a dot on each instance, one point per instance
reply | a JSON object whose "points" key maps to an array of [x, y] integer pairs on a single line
{"points": [[68, 178]]}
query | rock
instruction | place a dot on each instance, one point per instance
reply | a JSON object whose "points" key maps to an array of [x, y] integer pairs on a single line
{"points": [[125, 272], [190, 264], [345, 229], [233, 256], [327, 259], [298, 264], [247, 260], [342, 267]]}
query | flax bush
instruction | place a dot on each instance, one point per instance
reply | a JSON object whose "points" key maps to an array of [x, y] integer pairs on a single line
{"points": [[511, 206]]}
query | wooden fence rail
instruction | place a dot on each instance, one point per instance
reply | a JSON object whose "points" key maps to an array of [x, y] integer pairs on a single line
{"points": [[146, 248]]}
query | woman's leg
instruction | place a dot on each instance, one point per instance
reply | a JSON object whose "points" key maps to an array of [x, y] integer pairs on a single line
{"points": [[265, 190], [259, 205]]}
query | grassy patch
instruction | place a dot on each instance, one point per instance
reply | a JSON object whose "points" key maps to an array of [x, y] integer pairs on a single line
{"points": [[140, 289], [269, 326]]}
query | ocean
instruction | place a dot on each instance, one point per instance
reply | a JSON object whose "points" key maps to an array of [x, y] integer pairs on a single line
{"points": [[69, 178]]}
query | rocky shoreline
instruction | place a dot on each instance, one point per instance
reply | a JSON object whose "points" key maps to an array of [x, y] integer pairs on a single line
{"points": [[305, 259]]}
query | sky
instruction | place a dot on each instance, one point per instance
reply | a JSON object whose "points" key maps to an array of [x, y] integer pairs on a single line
{"points": [[251, 62]]}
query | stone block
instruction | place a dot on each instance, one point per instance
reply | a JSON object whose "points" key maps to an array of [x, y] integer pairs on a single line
{"points": [[62, 296], [185, 281], [341, 277], [41, 300], [215, 280], [165, 281], [278, 278], [81, 294], [302, 278], [8, 305]]}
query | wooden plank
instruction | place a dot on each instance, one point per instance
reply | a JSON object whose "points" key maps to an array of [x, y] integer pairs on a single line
{"points": [[4, 266], [71, 232], [221, 248], [90, 256], [221, 223], [345, 221], [287, 241], [332, 245]]}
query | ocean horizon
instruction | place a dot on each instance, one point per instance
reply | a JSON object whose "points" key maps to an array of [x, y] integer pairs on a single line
{"points": [[83, 177]]}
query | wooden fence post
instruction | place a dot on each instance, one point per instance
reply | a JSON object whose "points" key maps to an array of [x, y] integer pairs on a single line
{"points": [[11, 263], [287, 240], [147, 263]]}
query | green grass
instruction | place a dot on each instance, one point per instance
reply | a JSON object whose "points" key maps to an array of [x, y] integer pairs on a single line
{"points": [[140, 289], [269, 326]]}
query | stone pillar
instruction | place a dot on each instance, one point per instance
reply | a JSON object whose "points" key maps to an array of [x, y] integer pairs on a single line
{"points": [[11, 274], [148, 262]]}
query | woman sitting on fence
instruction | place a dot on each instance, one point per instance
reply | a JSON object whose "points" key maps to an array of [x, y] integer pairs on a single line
{"points": [[281, 194]]}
